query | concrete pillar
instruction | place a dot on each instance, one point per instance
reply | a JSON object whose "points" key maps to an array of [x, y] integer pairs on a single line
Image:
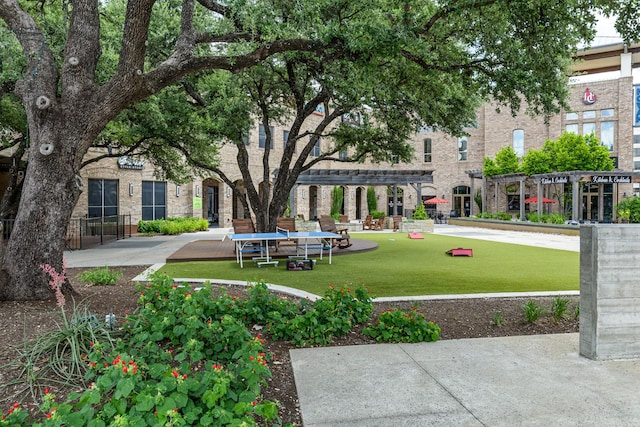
{"points": [[577, 199], [609, 291]]}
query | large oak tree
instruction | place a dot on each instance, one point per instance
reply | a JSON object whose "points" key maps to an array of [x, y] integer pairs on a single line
{"points": [[506, 50]]}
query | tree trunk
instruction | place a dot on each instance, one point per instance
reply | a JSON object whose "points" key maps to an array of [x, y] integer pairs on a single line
{"points": [[49, 195]]}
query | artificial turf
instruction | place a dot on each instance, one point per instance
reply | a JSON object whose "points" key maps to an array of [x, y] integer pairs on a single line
{"points": [[401, 266]]}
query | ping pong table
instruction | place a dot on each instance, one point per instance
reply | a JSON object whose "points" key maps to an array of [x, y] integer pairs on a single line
{"points": [[305, 239]]}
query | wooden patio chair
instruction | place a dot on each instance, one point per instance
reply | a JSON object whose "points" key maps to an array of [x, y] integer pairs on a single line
{"points": [[379, 223], [397, 219], [328, 224], [245, 226], [286, 224], [367, 224]]}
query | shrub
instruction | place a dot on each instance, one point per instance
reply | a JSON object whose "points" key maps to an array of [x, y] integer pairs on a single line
{"points": [[319, 321], [399, 326], [498, 319], [557, 219], [532, 311], [503, 216], [376, 214], [172, 226], [372, 201], [100, 276], [420, 212], [559, 308]]}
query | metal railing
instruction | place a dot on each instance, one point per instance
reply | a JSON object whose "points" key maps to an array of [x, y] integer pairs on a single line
{"points": [[84, 233]]}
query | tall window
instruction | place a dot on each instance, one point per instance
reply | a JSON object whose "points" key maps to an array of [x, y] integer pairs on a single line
{"points": [[262, 137], [427, 150], [462, 148], [572, 128], [103, 197], [285, 138], [607, 134], [154, 200], [588, 128], [518, 142], [245, 137], [315, 152], [343, 155]]}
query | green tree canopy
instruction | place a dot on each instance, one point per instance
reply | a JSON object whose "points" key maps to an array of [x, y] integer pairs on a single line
{"points": [[506, 161], [570, 152]]}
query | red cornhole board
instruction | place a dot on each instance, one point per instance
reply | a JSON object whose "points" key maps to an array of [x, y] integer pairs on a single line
{"points": [[460, 252], [416, 236]]}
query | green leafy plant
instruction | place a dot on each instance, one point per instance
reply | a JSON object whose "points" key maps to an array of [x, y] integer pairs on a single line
{"points": [[532, 311], [419, 212], [372, 201], [559, 308], [100, 276], [576, 312], [172, 226], [317, 322], [498, 319], [336, 201], [399, 326]]}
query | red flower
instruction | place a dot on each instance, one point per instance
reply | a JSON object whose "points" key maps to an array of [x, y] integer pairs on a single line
{"points": [[175, 373]]}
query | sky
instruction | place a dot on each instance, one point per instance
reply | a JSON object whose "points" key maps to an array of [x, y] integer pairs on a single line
{"points": [[605, 32]]}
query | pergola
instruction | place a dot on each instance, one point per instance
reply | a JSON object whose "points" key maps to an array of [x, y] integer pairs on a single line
{"points": [[365, 177], [573, 177]]}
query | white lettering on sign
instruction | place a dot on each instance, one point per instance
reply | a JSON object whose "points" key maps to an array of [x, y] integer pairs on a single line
{"points": [[615, 179]]}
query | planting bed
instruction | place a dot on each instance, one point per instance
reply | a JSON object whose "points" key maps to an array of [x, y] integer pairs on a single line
{"points": [[465, 318]]}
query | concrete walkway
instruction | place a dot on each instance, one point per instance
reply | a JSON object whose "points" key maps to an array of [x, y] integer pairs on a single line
{"points": [[514, 381]]}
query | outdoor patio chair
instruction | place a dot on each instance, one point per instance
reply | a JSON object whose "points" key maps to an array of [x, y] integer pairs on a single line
{"points": [[367, 224], [286, 224], [328, 224], [344, 219], [397, 219], [379, 223], [245, 226]]}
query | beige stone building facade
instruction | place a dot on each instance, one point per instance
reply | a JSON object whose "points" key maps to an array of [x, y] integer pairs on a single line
{"points": [[606, 106]]}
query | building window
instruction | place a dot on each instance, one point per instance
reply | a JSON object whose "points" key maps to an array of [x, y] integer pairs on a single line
{"points": [[315, 151], [427, 150], [343, 155], [285, 138], [103, 197], [245, 137], [607, 113], [262, 137], [518, 142], [607, 134], [590, 114], [572, 128], [154, 200], [462, 148], [588, 128], [572, 116]]}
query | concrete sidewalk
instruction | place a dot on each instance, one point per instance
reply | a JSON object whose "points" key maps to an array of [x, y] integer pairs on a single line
{"points": [[514, 381]]}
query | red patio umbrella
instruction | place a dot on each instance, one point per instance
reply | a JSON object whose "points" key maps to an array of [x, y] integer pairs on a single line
{"points": [[535, 200], [435, 200]]}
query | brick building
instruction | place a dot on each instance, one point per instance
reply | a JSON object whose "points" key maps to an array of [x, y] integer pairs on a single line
{"points": [[604, 104]]}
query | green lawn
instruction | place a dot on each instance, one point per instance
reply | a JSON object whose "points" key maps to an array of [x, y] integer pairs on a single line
{"points": [[401, 266]]}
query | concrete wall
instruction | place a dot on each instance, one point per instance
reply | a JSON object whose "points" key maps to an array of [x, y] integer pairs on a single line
{"points": [[610, 291]]}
